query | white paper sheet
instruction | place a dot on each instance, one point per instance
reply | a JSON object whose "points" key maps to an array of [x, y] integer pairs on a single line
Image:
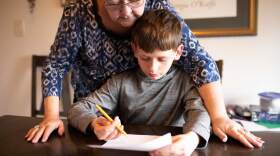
{"points": [[253, 127], [137, 142]]}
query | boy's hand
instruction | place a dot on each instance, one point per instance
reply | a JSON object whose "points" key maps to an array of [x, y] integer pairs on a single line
{"points": [[104, 129], [183, 144], [225, 126]]}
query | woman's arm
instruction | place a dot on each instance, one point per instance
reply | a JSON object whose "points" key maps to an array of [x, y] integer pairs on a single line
{"points": [[201, 67], [212, 95], [222, 124], [58, 63]]}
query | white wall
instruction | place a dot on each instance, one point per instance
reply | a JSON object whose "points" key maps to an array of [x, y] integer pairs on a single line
{"points": [[250, 62], [15, 52]]}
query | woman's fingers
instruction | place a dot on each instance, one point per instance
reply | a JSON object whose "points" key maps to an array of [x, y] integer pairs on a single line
{"points": [[221, 134], [60, 129], [38, 135], [28, 133], [48, 130], [44, 130], [236, 134], [256, 141], [32, 133]]}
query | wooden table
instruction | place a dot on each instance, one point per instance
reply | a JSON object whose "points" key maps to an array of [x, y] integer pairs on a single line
{"points": [[73, 143]]}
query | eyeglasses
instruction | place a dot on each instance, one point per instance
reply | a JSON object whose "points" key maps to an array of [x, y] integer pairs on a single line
{"points": [[132, 4]]}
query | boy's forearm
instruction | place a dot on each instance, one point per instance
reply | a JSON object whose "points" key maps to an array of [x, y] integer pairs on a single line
{"points": [[51, 107], [212, 95], [198, 121], [193, 138], [81, 115], [196, 117]]}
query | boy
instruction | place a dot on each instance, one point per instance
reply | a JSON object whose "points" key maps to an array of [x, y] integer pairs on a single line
{"points": [[157, 93]]}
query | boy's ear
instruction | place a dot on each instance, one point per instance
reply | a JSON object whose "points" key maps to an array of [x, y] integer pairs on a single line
{"points": [[179, 51]]}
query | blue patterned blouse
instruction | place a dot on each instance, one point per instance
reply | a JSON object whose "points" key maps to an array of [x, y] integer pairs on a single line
{"points": [[92, 54]]}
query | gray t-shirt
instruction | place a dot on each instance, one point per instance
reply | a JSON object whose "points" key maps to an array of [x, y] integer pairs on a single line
{"points": [[171, 100]]}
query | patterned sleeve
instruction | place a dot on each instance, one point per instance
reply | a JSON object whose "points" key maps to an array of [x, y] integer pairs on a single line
{"points": [[195, 60], [63, 51]]}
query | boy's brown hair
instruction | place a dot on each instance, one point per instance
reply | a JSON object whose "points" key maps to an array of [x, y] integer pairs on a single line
{"points": [[157, 29]]}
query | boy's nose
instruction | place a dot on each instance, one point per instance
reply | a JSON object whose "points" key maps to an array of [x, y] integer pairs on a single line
{"points": [[154, 66]]}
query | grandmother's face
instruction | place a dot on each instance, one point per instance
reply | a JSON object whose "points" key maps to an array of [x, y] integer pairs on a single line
{"points": [[124, 12]]}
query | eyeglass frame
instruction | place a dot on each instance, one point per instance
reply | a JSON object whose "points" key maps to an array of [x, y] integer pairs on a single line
{"points": [[120, 5]]}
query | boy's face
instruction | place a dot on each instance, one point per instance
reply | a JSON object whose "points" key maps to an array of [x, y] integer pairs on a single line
{"points": [[156, 64]]}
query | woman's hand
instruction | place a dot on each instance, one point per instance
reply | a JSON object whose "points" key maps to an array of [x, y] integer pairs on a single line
{"points": [[225, 126], [104, 129], [182, 145], [44, 129], [50, 122]]}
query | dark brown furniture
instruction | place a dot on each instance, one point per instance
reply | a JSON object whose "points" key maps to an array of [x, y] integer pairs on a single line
{"points": [[74, 143], [220, 64]]}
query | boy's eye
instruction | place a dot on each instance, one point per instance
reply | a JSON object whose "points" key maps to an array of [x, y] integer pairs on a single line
{"points": [[162, 59], [145, 58]]}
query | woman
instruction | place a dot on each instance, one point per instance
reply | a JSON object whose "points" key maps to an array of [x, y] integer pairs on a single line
{"points": [[93, 41]]}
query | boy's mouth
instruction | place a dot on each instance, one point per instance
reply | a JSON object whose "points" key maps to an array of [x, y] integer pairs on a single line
{"points": [[153, 76]]}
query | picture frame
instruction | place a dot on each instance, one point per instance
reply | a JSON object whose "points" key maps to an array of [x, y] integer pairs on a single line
{"points": [[65, 2], [244, 23]]}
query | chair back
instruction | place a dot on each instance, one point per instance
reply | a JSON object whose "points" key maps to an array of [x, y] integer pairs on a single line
{"points": [[220, 64]]}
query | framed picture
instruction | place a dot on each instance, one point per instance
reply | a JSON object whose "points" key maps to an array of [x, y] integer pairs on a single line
{"points": [[65, 2], [219, 17]]}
